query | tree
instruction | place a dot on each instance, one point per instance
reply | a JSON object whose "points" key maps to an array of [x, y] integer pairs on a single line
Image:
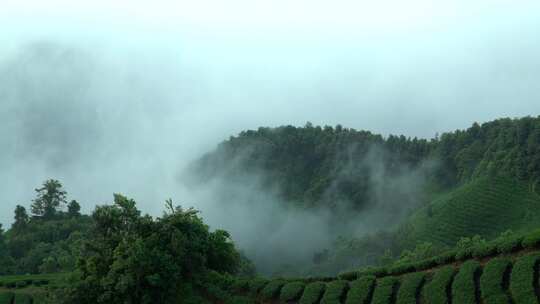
{"points": [[74, 209], [21, 219], [6, 262], [50, 197], [132, 258]]}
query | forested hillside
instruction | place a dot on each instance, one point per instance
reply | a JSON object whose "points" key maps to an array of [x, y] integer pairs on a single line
{"points": [[305, 162], [389, 193]]}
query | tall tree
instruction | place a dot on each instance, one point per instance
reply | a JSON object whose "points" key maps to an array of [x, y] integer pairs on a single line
{"points": [[21, 218], [6, 262], [74, 209], [50, 197]]}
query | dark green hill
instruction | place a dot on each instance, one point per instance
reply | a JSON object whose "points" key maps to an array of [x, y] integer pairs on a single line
{"points": [[486, 206], [323, 166]]}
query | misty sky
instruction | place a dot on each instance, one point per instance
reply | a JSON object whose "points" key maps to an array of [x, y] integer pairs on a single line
{"points": [[119, 97]]}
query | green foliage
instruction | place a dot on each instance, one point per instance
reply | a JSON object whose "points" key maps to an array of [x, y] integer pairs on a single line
{"points": [[131, 258], [312, 293], [464, 285], [492, 281], [240, 300], [348, 275], [6, 297], [373, 271], [477, 209], [74, 209], [508, 242], [385, 290], [438, 289], [240, 285], [446, 257], [409, 290], [256, 285], [422, 251], [335, 292], [46, 242], [531, 240], [22, 298], [50, 197], [522, 279], [484, 250], [272, 289], [306, 161], [361, 290], [38, 280], [291, 291]]}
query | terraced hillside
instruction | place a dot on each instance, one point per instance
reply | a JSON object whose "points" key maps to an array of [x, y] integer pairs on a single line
{"points": [[498, 272], [481, 207], [28, 289]]}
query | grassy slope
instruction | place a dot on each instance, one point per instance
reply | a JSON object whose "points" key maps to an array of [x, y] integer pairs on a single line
{"points": [[35, 287], [486, 206]]}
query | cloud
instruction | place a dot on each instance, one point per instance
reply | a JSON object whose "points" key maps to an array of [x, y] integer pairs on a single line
{"points": [[116, 97]]}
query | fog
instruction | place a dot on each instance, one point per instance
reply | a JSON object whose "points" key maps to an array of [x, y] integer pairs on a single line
{"points": [[120, 97]]}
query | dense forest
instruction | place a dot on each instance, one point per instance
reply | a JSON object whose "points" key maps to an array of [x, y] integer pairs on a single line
{"points": [[306, 161]]}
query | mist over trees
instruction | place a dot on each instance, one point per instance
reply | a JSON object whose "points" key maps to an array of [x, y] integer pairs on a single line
{"points": [[363, 182], [305, 162]]}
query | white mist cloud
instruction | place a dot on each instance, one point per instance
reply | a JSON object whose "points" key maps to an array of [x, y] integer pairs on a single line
{"points": [[117, 96]]}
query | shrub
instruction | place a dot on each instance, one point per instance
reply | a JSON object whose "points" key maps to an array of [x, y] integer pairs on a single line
{"points": [[445, 258], [438, 289], [522, 279], [509, 244], [410, 288], [256, 285], [312, 293], [291, 291], [20, 284], [464, 286], [41, 282], [39, 299], [22, 298], [398, 269], [272, 289], [385, 290], [484, 250], [349, 276], [6, 297], [492, 280], [425, 264], [532, 239], [240, 285], [361, 290], [240, 300], [374, 271], [465, 247], [335, 291]]}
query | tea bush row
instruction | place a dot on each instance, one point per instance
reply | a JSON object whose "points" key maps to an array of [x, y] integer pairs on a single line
{"points": [[506, 243], [493, 279], [522, 279], [464, 286]]}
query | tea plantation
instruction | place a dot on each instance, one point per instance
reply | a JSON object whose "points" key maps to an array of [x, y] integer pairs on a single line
{"points": [[505, 277], [480, 207], [28, 289]]}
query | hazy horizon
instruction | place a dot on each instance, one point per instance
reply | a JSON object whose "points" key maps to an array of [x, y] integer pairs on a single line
{"points": [[153, 85]]}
